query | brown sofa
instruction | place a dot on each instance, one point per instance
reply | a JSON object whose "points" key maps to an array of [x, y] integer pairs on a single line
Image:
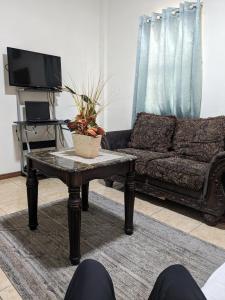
{"points": [[182, 160]]}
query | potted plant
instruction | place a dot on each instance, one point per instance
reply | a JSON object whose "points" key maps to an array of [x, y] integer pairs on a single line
{"points": [[86, 133]]}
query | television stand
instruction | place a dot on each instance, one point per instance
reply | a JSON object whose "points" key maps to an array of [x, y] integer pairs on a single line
{"points": [[23, 127]]}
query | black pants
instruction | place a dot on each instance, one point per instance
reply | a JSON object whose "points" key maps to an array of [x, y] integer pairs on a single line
{"points": [[91, 281]]}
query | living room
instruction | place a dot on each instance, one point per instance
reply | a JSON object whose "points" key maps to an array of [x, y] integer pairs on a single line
{"points": [[177, 222]]}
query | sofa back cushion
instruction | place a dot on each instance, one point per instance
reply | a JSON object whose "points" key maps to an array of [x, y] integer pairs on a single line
{"points": [[199, 139], [153, 132]]}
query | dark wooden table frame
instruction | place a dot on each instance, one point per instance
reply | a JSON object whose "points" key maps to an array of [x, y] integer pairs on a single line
{"points": [[78, 183]]}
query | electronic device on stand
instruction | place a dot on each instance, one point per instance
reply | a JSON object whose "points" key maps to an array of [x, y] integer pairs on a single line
{"points": [[35, 72], [26, 127]]}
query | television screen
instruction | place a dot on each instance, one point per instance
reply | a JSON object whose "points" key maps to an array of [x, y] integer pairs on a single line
{"points": [[32, 69]]}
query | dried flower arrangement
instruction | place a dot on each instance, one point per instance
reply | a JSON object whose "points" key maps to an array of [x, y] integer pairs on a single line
{"points": [[88, 107]]}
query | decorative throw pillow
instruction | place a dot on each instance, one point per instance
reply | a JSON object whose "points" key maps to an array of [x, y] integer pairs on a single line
{"points": [[153, 132], [199, 139]]}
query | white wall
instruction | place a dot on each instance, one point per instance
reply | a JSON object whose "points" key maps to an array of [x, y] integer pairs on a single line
{"points": [[94, 35], [69, 29], [122, 44], [214, 58]]}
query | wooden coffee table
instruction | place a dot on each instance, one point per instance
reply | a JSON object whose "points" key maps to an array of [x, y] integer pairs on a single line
{"points": [[76, 173]]}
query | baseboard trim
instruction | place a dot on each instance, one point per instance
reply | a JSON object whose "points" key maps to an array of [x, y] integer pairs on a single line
{"points": [[9, 175]]}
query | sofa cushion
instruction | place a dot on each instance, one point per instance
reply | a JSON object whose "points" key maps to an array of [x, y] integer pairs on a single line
{"points": [[143, 157], [199, 139], [153, 132], [179, 171]]}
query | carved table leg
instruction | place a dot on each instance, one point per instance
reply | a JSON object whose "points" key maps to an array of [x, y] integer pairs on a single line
{"points": [[85, 189], [129, 196], [32, 197], [74, 224]]}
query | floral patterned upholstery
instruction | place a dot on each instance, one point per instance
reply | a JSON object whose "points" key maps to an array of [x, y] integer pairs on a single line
{"points": [[195, 142], [199, 139], [143, 157], [179, 171], [190, 173], [153, 132]]}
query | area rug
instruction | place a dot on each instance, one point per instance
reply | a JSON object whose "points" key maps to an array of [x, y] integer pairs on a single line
{"points": [[37, 262]]}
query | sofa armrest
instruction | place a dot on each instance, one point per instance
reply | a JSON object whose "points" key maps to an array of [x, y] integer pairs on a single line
{"points": [[214, 187], [116, 139]]}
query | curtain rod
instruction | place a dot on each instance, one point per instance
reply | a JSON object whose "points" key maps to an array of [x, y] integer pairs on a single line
{"points": [[175, 11]]}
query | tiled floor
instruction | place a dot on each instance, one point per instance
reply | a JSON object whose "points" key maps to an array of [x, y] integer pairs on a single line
{"points": [[13, 198]]}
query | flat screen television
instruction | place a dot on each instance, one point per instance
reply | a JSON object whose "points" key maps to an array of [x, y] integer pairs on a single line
{"points": [[34, 70]]}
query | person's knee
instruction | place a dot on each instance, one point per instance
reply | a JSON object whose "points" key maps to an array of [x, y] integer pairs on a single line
{"points": [[174, 271], [89, 263], [89, 276], [91, 267], [177, 268]]}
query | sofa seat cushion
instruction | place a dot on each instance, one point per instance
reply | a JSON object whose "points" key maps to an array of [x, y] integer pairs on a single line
{"points": [[153, 132], [179, 171], [199, 139], [143, 157]]}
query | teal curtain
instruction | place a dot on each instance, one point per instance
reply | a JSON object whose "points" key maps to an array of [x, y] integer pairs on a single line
{"points": [[169, 62]]}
